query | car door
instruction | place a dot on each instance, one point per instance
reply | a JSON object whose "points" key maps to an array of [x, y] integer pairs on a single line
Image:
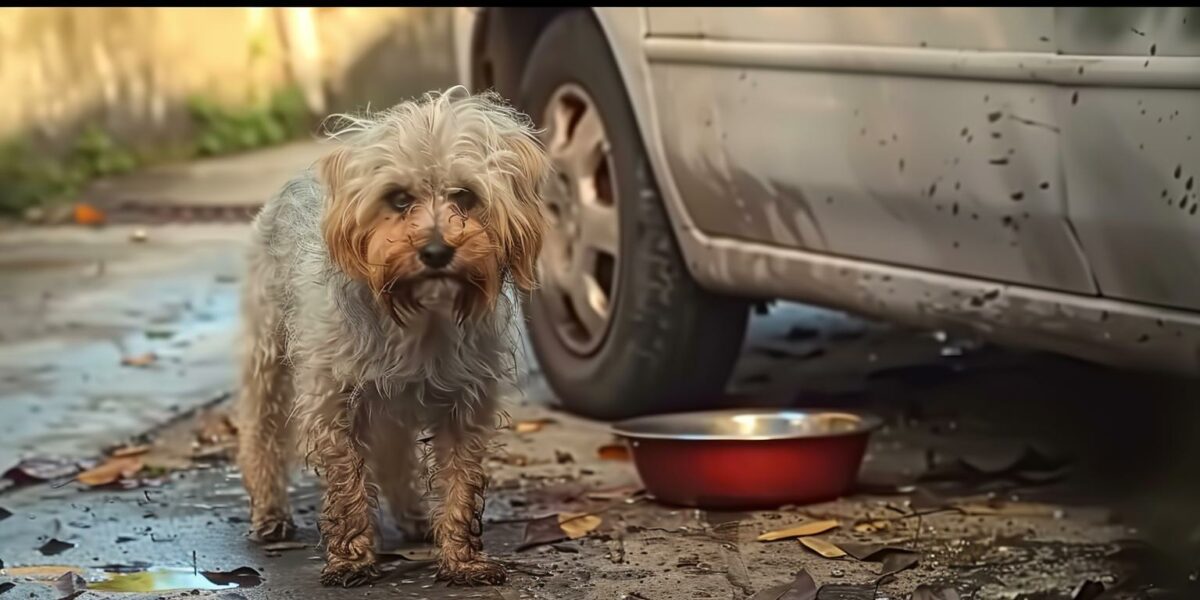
{"points": [[920, 137]]}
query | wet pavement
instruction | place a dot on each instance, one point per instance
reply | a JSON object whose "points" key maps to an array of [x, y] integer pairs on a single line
{"points": [[1008, 474]]}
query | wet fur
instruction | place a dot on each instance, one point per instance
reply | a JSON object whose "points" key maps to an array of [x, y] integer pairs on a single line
{"points": [[353, 346]]}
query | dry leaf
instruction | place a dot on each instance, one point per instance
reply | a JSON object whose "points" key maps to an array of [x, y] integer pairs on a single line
{"points": [[141, 360], [577, 525], [533, 426], [613, 452], [70, 585], [284, 546], [1008, 509], [112, 470], [545, 530], [894, 562], [926, 592], [620, 493], [34, 470], [871, 526], [86, 214], [129, 451], [423, 554], [809, 528], [55, 546], [803, 587], [822, 547]]}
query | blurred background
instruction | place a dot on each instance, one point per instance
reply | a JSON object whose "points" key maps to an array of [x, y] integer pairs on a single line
{"points": [[95, 92]]}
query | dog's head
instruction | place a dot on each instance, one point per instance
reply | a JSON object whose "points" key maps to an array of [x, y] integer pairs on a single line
{"points": [[436, 200]]}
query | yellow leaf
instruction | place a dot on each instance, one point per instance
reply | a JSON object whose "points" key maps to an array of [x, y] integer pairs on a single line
{"points": [[871, 526], [822, 547], [130, 451], [577, 525], [533, 426], [115, 469], [141, 360], [809, 528]]}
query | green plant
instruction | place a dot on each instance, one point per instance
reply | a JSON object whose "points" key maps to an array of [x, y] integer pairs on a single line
{"points": [[223, 129]]}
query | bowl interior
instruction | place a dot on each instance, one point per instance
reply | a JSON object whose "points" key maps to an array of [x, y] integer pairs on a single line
{"points": [[747, 425]]}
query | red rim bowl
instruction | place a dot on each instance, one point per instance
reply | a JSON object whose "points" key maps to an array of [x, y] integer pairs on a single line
{"points": [[746, 459]]}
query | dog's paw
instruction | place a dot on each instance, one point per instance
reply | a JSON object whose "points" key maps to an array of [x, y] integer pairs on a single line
{"points": [[273, 529], [475, 572], [347, 574]]}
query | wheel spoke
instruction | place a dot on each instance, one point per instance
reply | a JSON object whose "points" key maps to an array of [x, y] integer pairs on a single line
{"points": [[598, 228], [582, 152], [589, 302]]}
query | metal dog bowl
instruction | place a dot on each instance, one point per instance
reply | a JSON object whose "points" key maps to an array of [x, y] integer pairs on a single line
{"points": [[755, 458]]}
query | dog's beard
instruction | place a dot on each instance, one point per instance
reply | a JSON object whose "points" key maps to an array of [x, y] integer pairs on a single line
{"points": [[447, 295]]}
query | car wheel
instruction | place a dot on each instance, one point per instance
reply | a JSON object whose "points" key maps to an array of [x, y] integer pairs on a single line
{"points": [[618, 325]]}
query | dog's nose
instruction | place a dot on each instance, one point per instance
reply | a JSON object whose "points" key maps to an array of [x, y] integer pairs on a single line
{"points": [[436, 254]]}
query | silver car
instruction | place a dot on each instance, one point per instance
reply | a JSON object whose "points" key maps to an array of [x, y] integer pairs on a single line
{"points": [[1025, 173]]}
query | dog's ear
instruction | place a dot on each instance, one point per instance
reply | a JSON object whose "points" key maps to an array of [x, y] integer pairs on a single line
{"points": [[529, 170], [345, 237]]}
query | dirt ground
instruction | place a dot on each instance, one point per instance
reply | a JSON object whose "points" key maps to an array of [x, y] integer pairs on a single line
{"points": [[1004, 474]]}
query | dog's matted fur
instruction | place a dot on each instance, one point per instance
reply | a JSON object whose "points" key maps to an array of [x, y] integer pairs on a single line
{"points": [[377, 308]]}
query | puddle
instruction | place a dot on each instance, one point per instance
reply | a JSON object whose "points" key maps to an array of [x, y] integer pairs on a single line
{"points": [[153, 579], [162, 579]]}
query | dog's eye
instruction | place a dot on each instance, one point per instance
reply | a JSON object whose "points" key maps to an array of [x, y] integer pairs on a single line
{"points": [[399, 199], [464, 198]]}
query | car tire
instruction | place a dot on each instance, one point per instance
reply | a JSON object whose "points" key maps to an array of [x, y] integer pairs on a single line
{"points": [[668, 345]]}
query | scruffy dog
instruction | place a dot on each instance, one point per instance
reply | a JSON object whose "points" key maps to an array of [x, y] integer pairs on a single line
{"points": [[377, 309]]}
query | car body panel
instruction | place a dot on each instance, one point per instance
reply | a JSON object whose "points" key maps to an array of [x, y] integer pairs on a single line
{"points": [[748, 194]]}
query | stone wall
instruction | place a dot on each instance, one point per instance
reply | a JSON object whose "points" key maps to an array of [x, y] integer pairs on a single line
{"points": [[132, 71]]}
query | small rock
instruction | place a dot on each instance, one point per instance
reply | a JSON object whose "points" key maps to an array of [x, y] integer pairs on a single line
{"points": [[138, 235]]}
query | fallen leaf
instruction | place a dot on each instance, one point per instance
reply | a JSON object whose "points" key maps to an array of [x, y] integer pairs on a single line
{"points": [[619, 493], [243, 577], [86, 214], [1008, 509], [1088, 590], [822, 547], [577, 525], [7, 585], [870, 552], [141, 360], [130, 451], [847, 592], [70, 585], [894, 562], [112, 470], [284, 546], [809, 528], [871, 526], [618, 451], [801, 588], [4, 513], [545, 530], [37, 470], [926, 592], [534, 425], [424, 554], [55, 546]]}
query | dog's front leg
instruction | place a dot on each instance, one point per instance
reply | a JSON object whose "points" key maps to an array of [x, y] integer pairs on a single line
{"points": [[460, 446], [347, 523]]}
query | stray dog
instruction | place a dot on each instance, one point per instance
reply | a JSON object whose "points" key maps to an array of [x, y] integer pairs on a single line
{"points": [[376, 309]]}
